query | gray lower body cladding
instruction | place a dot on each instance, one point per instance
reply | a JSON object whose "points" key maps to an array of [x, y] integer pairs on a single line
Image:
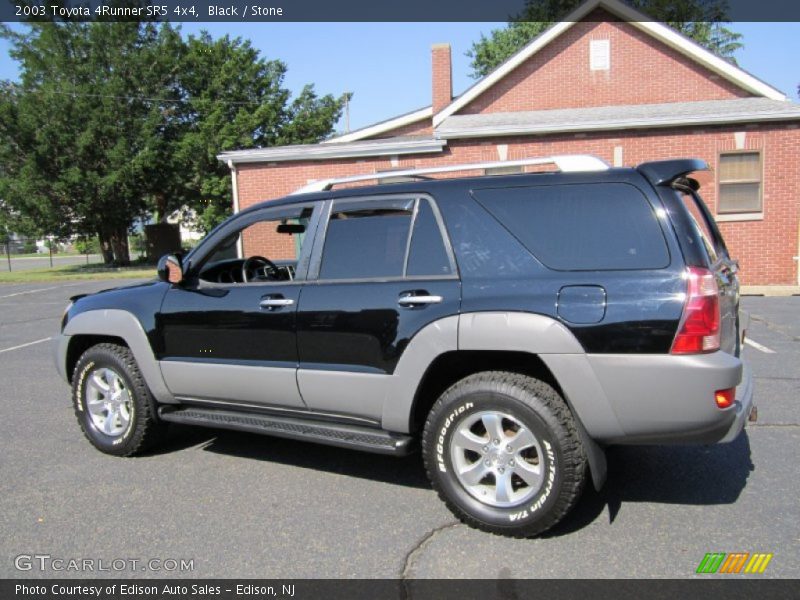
{"points": [[660, 399]]}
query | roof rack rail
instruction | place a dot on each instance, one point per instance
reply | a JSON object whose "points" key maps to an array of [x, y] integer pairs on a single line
{"points": [[566, 163]]}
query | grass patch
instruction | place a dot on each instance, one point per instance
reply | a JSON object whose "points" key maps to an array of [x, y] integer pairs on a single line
{"points": [[71, 272]]}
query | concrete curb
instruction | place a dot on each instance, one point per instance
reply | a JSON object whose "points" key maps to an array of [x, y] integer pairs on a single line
{"points": [[770, 290]]}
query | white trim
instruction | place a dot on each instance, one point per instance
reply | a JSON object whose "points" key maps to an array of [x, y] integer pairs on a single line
{"points": [[367, 148], [383, 126], [709, 60], [512, 63], [659, 31], [234, 185], [736, 217]]}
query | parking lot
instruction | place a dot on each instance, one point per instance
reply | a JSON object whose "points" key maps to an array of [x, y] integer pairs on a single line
{"points": [[241, 505]]}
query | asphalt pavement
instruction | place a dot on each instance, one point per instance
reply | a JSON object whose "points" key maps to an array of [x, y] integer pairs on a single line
{"points": [[241, 505]]}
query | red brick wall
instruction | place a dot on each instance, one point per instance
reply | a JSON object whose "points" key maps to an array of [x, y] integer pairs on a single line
{"points": [[441, 76], [765, 248], [643, 71], [262, 239]]}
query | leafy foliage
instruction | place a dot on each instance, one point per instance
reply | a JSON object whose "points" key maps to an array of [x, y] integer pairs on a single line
{"points": [[700, 20], [111, 122]]}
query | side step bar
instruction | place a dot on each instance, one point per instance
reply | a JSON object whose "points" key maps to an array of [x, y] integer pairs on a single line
{"points": [[322, 432]]}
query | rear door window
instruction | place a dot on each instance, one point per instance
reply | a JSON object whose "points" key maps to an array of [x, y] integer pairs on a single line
{"points": [[366, 243], [384, 239], [582, 227]]}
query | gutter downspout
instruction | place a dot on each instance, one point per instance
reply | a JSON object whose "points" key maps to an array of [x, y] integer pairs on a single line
{"points": [[235, 193]]}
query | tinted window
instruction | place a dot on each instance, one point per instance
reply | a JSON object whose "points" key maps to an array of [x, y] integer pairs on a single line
{"points": [[427, 255], [703, 229], [582, 227], [363, 244]]}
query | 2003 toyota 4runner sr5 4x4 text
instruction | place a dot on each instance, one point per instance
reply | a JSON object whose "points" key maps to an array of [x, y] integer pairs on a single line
{"points": [[512, 326]]}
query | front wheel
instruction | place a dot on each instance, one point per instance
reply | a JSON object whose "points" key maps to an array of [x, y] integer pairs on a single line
{"points": [[503, 452], [112, 402]]}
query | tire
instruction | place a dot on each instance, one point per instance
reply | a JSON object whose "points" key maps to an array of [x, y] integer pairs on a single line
{"points": [[517, 491], [112, 403]]}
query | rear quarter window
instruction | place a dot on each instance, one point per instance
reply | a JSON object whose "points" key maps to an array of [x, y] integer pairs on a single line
{"points": [[581, 227]]}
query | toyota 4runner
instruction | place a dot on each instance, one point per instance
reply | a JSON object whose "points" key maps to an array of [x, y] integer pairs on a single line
{"points": [[511, 326]]}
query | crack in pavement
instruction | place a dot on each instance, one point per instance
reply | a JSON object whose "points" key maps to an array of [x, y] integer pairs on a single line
{"points": [[420, 545]]}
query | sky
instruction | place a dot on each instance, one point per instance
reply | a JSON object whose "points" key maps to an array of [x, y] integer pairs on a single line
{"points": [[387, 65]]}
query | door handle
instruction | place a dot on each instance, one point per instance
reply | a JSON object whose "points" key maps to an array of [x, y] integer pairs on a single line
{"points": [[272, 303], [412, 300]]}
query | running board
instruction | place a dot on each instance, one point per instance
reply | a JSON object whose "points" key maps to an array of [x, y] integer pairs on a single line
{"points": [[322, 432]]}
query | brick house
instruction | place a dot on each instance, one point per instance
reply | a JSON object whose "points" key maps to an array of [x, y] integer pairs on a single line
{"points": [[607, 82]]}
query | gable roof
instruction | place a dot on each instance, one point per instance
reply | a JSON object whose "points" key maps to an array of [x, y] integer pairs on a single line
{"points": [[383, 126], [609, 118], [660, 31]]}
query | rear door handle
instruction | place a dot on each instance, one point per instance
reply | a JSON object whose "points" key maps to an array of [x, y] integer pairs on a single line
{"points": [[273, 303], [412, 300]]}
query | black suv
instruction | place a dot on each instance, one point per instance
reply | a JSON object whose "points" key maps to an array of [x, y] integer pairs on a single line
{"points": [[512, 325]]}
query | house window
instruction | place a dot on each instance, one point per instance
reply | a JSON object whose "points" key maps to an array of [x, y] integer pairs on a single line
{"points": [[599, 55], [503, 170], [740, 187]]}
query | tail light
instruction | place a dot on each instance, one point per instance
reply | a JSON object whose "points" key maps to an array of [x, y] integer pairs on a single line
{"points": [[725, 398], [699, 331]]}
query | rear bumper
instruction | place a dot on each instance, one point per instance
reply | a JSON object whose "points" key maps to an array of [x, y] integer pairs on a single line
{"points": [[669, 399], [743, 406]]}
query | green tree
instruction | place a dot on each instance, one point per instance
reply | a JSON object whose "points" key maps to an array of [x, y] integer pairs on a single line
{"points": [[74, 129], [111, 122], [701, 20], [234, 98]]}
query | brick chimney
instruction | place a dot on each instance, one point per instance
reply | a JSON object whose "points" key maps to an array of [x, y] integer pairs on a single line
{"points": [[442, 75]]}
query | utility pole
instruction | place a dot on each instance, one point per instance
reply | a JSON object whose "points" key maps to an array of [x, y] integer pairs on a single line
{"points": [[347, 96]]}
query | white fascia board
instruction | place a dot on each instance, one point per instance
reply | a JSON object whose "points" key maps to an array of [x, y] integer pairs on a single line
{"points": [[502, 130], [503, 70], [708, 59], [383, 126], [658, 30], [324, 152], [516, 60]]}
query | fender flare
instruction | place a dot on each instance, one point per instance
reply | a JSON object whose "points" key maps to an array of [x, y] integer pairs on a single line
{"points": [[530, 333], [122, 324]]}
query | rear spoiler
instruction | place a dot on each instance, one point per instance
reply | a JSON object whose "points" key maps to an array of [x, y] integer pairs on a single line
{"points": [[665, 172]]}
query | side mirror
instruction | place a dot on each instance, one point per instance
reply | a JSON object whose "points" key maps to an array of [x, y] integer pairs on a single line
{"points": [[170, 268]]}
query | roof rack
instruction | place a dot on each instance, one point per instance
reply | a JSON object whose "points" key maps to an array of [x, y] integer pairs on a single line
{"points": [[566, 163]]}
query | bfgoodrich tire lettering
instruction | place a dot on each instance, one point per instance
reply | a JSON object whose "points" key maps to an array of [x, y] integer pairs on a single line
{"points": [[112, 402], [502, 451]]}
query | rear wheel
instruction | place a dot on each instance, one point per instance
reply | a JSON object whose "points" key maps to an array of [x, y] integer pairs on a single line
{"points": [[112, 403], [503, 452]]}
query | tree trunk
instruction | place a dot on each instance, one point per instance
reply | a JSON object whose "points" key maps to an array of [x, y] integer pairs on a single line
{"points": [[161, 207], [119, 244], [105, 247]]}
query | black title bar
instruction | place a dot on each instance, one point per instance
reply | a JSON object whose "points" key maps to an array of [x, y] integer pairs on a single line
{"points": [[323, 10]]}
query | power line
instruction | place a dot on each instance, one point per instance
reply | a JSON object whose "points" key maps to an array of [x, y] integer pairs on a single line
{"points": [[142, 98]]}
